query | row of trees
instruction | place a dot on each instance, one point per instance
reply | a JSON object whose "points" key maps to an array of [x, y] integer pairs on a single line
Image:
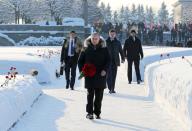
{"points": [[29, 11], [136, 14], [33, 10]]}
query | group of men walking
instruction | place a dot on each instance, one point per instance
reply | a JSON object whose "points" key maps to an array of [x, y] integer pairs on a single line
{"points": [[104, 54]]}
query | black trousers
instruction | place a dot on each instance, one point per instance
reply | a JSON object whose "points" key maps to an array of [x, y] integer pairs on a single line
{"points": [[111, 77], [137, 69], [94, 105], [70, 72]]}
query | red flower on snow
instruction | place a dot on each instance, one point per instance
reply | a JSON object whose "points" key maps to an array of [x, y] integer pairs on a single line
{"points": [[88, 70]]}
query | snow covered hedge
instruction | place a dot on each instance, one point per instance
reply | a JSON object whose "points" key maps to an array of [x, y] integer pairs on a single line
{"points": [[16, 99], [170, 84], [42, 41], [7, 38]]}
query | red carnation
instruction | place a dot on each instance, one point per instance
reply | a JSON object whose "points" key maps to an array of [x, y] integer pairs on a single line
{"points": [[88, 70]]}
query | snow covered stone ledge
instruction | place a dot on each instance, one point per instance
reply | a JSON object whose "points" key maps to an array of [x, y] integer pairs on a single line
{"points": [[16, 99], [170, 84]]}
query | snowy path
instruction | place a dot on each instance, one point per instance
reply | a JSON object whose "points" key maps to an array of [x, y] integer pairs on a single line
{"points": [[128, 110]]}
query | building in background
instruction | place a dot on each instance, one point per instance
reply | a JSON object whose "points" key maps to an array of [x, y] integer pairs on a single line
{"points": [[183, 11]]}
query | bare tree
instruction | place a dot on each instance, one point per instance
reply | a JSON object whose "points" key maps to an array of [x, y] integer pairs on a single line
{"points": [[17, 9]]}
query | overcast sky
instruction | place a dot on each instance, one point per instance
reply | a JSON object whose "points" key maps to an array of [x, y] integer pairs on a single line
{"points": [[116, 4]]}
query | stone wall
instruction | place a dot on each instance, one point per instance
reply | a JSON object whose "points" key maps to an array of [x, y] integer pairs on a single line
{"points": [[21, 32], [5, 42]]}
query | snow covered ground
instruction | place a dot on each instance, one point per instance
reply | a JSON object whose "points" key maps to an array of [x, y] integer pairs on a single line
{"points": [[128, 110], [27, 58], [16, 99], [170, 84], [131, 109]]}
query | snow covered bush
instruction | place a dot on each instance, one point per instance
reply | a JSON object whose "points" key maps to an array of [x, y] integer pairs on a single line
{"points": [[7, 38], [42, 41]]}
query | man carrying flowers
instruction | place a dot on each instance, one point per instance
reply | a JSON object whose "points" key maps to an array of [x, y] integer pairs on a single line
{"points": [[93, 64]]}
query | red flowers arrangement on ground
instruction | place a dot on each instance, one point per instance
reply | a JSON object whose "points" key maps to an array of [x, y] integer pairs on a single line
{"points": [[89, 70], [168, 55], [10, 76]]}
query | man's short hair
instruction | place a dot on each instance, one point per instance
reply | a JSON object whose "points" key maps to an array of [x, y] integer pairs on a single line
{"points": [[73, 32], [133, 31], [95, 34], [112, 30]]}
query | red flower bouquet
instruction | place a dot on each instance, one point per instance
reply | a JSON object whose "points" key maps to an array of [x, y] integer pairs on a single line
{"points": [[88, 70]]}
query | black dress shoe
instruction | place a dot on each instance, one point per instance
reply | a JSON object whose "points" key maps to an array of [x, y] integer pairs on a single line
{"points": [[89, 116], [67, 87], [138, 82], [113, 91], [129, 82], [98, 117], [72, 88]]}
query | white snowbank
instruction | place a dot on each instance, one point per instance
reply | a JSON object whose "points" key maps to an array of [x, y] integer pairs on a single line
{"points": [[26, 58], [6, 37], [170, 84], [16, 99], [152, 54]]}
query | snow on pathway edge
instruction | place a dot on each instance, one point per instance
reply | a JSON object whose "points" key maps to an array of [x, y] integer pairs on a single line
{"points": [[170, 85], [16, 100]]}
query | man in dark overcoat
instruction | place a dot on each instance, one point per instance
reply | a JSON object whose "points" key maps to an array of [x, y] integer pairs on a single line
{"points": [[134, 53], [115, 48], [95, 52]]}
